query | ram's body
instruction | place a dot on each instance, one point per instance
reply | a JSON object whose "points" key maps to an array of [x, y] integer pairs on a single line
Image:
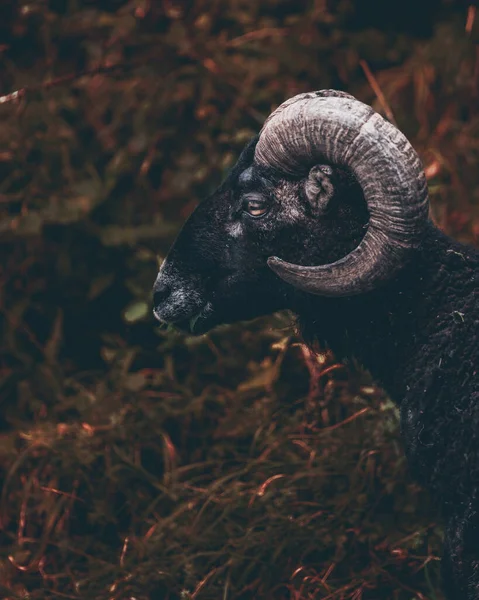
{"points": [[411, 318], [419, 337]]}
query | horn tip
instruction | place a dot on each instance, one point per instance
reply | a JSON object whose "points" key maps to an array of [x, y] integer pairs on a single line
{"points": [[274, 261], [281, 267]]}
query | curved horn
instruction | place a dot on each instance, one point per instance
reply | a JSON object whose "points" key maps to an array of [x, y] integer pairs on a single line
{"points": [[330, 126]]}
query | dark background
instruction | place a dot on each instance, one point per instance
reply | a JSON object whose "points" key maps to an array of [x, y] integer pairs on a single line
{"points": [[137, 463]]}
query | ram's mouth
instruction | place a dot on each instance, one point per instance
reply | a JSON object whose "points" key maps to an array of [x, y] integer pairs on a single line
{"points": [[200, 322], [197, 324]]}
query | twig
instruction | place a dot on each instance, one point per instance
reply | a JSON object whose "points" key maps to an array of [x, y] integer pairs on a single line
{"points": [[24, 91], [377, 90], [259, 34], [471, 16]]}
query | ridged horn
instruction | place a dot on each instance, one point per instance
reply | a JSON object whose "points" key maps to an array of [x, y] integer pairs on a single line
{"points": [[333, 127]]}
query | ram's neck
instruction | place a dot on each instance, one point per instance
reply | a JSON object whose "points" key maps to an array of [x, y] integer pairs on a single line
{"points": [[399, 330]]}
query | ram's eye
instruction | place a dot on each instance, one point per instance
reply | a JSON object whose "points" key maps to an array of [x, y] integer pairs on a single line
{"points": [[256, 207]]}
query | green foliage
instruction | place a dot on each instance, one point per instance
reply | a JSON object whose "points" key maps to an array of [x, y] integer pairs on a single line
{"points": [[137, 463]]}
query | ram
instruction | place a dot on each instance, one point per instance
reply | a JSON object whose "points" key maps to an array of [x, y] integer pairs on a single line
{"points": [[326, 214]]}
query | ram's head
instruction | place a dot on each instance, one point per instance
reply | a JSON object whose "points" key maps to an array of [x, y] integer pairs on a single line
{"points": [[329, 200]]}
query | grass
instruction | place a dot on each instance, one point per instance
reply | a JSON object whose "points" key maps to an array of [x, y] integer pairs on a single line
{"points": [[137, 463]]}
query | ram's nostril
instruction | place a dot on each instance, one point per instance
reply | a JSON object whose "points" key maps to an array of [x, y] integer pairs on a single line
{"points": [[160, 294]]}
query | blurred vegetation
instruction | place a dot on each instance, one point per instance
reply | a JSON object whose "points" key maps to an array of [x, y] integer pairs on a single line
{"points": [[140, 464]]}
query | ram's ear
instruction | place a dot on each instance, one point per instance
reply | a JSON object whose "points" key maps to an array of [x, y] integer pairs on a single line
{"points": [[319, 188]]}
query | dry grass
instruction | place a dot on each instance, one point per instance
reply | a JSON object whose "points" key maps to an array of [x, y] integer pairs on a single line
{"points": [[139, 464]]}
